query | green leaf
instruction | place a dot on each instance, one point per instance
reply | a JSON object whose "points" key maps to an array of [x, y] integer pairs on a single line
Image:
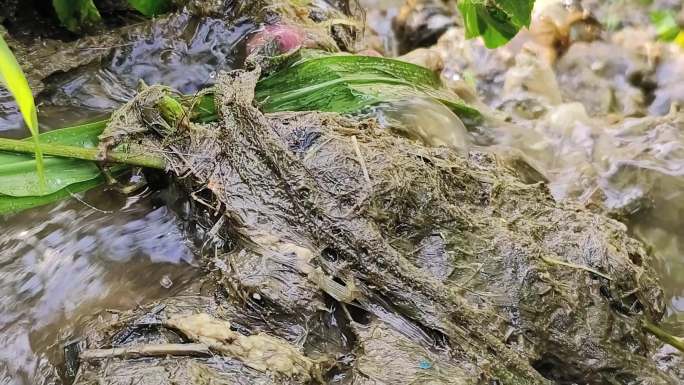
{"points": [[151, 8], [75, 15], [497, 21], [519, 11], [10, 204], [350, 83], [17, 171], [666, 25], [65, 177], [12, 77]]}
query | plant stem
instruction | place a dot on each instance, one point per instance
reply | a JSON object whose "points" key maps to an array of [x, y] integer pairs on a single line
{"points": [[664, 336], [93, 154]]}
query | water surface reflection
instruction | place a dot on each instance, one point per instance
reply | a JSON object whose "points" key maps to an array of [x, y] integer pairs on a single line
{"points": [[61, 264]]}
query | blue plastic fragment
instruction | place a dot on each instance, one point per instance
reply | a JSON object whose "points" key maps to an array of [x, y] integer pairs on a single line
{"points": [[425, 364]]}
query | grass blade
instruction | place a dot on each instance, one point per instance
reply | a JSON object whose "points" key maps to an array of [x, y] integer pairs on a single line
{"points": [[14, 80]]}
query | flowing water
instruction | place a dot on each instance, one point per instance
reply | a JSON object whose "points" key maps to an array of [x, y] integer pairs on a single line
{"points": [[61, 263]]}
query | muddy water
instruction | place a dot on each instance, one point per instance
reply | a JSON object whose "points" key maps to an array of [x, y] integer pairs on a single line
{"points": [[62, 263], [180, 51]]}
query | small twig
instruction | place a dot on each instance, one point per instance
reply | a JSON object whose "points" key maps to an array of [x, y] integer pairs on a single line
{"points": [[154, 350], [313, 151], [357, 150], [574, 266], [213, 233], [88, 205]]}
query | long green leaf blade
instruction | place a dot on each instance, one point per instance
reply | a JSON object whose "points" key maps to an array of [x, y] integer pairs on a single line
{"points": [[350, 83], [14, 80]]}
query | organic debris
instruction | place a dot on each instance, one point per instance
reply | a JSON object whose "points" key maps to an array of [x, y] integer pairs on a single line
{"points": [[535, 290], [338, 252], [260, 352], [309, 80]]}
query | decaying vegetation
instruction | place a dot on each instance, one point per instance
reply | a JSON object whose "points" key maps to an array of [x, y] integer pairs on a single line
{"points": [[332, 218]]}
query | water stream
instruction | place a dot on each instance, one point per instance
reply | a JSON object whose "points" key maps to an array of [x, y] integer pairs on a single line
{"points": [[104, 250], [61, 264]]}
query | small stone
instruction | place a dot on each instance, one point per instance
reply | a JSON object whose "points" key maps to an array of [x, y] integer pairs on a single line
{"points": [[166, 282]]}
